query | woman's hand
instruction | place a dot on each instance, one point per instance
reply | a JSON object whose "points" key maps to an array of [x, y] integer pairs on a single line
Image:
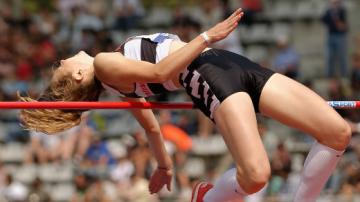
{"points": [[224, 28], [161, 177]]}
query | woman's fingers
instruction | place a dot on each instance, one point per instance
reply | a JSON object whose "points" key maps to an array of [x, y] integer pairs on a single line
{"points": [[235, 13], [168, 185], [236, 18]]}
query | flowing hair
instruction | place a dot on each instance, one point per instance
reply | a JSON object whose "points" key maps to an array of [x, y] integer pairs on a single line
{"points": [[52, 121]]}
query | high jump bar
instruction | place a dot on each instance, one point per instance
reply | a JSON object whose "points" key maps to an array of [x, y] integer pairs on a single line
{"points": [[133, 105]]}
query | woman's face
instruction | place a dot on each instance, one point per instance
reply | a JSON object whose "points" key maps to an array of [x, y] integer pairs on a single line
{"points": [[79, 66]]}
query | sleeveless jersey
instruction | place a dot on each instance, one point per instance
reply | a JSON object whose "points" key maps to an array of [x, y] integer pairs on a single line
{"points": [[151, 48]]}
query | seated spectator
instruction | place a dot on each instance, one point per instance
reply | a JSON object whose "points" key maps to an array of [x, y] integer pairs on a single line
{"points": [[77, 143], [84, 25], [351, 180], [128, 13], [98, 153], [287, 60], [10, 85], [81, 187], [14, 191], [45, 20], [138, 191], [173, 133], [65, 6], [181, 176], [355, 74], [37, 192], [281, 167], [185, 27], [96, 191], [42, 148], [251, 8], [205, 126], [209, 14], [268, 137], [140, 155], [124, 169]]}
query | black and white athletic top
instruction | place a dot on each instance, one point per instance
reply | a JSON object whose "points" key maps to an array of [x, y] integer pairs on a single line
{"points": [[150, 48], [155, 47]]}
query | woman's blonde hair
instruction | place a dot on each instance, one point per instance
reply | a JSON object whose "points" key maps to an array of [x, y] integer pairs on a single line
{"points": [[52, 121]]}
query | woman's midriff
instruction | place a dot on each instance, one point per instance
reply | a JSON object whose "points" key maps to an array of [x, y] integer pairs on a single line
{"points": [[174, 46]]}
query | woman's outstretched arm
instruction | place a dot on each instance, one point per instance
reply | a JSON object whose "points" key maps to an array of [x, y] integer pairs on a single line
{"points": [[163, 174], [113, 68]]}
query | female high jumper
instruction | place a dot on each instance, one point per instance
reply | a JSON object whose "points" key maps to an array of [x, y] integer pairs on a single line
{"points": [[228, 88]]}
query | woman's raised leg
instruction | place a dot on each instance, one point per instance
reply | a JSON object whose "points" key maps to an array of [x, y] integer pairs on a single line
{"points": [[236, 120], [297, 106]]}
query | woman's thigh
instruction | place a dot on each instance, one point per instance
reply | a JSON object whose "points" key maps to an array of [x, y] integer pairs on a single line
{"points": [[297, 106], [236, 120]]}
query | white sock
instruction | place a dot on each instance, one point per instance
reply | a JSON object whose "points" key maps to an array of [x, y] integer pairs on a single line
{"points": [[319, 165], [226, 188]]}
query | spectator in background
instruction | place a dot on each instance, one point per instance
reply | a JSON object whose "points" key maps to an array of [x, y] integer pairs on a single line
{"points": [[173, 133], [81, 185], [14, 191], [65, 6], [350, 179], [76, 141], [251, 9], [128, 14], [355, 75], [98, 153], [205, 126], [226, 8], [209, 14], [41, 148], [185, 27], [96, 191], [37, 192], [268, 137], [46, 21], [138, 191], [11, 85], [287, 60], [140, 155], [335, 20], [83, 28], [122, 172], [44, 149], [280, 169], [181, 176]]}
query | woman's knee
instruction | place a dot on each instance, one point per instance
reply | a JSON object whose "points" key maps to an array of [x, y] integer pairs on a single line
{"points": [[254, 177], [337, 136]]}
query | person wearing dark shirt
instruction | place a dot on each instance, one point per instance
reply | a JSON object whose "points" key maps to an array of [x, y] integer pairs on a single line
{"points": [[334, 19]]}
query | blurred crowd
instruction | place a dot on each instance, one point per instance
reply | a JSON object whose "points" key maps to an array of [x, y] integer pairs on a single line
{"points": [[115, 166]]}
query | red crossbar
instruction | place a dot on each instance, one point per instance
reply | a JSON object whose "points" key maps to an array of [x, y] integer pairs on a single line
{"points": [[95, 105], [132, 105]]}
